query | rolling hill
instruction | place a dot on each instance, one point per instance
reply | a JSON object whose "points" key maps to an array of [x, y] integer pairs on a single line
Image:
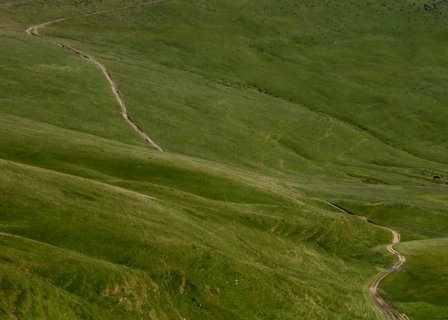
{"points": [[270, 114]]}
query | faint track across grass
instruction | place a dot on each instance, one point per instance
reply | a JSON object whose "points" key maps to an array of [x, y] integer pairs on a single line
{"points": [[389, 312], [34, 32]]}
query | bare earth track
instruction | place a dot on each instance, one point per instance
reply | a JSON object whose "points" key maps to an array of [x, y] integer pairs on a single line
{"points": [[389, 312], [34, 32]]}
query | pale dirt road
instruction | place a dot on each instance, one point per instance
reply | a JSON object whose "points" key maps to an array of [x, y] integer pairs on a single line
{"points": [[389, 312], [373, 288], [33, 30]]}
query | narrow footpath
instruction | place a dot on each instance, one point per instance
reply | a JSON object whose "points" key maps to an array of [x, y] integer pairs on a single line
{"points": [[34, 31], [389, 312]]}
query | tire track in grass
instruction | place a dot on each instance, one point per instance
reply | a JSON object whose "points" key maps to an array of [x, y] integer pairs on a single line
{"points": [[389, 312], [34, 31]]}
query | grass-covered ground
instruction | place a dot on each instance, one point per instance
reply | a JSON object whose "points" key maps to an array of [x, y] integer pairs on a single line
{"points": [[266, 109]]}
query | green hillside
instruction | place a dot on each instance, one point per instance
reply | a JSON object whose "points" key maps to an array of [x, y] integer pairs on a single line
{"points": [[267, 111]]}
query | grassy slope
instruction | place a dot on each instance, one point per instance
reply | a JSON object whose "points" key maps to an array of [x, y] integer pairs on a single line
{"points": [[173, 233], [272, 247], [375, 67]]}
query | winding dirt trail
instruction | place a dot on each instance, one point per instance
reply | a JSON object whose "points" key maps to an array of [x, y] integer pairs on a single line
{"points": [[389, 312], [33, 30]]}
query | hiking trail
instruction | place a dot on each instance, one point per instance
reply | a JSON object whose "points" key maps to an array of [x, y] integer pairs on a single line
{"points": [[389, 312], [34, 31]]}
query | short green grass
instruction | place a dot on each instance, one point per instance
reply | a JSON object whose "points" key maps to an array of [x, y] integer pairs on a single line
{"points": [[266, 109]]}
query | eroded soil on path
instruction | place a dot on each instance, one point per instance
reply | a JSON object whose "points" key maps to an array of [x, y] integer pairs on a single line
{"points": [[389, 312], [34, 31]]}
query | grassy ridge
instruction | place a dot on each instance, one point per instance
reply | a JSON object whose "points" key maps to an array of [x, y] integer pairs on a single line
{"points": [[172, 242], [72, 213], [266, 109]]}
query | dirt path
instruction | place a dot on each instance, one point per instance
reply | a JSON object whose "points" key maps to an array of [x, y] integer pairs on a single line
{"points": [[389, 312], [34, 32]]}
